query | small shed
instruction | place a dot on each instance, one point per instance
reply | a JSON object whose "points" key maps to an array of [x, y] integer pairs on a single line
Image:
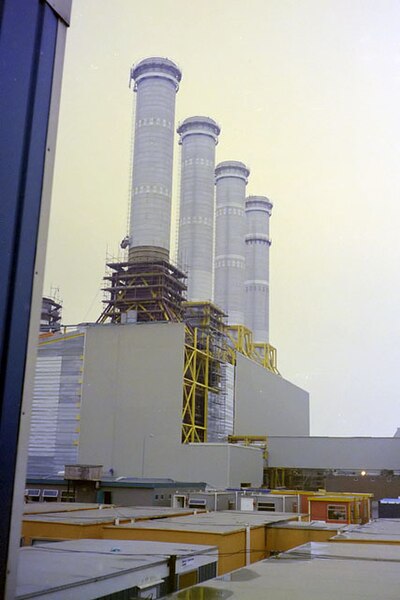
{"points": [[268, 502], [207, 500], [338, 508]]}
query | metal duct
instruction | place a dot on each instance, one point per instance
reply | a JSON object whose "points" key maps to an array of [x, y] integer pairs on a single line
{"points": [[256, 285], [156, 83], [198, 138], [231, 179]]}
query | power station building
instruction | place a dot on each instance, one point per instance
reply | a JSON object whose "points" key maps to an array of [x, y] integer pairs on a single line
{"points": [[170, 374], [117, 399], [177, 378]]}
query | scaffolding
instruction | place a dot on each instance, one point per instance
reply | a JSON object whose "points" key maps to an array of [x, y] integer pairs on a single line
{"points": [[154, 290], [205, 410], [196, 386], [221, 407], [143, 291], [50, 318], [241, 340], [295, 478]]}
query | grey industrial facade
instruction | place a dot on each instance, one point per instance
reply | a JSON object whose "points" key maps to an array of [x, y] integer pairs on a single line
{"points": [[129, 409]]}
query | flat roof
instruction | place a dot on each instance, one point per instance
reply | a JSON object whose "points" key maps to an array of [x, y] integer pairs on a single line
{"points": [[212, 492], [314, 525], [32, 508], [379, 530], [307, 579], [133, 482], [336, 499], [219, 522], [62, 568], [108, 515], [354, 551]]}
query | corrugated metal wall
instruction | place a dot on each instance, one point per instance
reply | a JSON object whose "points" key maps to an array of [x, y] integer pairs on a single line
{"points": [[56, 405], [221, 407]]}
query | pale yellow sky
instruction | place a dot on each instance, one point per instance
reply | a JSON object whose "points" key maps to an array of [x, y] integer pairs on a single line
{"points": [[307, 93]]}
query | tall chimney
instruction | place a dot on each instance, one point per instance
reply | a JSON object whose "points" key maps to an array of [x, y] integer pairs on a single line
{"points": [[156, 83], [231, 179], [198, 138], [258, 212]]}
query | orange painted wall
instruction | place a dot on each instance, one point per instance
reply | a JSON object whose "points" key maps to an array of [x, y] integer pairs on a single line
{"points": [[59, 531], [279, 540], [319, 510], [231, 546]]}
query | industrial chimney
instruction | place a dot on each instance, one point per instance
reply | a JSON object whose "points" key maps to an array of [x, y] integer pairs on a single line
{"points": [[198, 138], [156, 83], [147, 287], [231, 179], [258, 212]]}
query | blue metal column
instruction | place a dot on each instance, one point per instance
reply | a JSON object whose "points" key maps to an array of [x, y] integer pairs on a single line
{"points": [[28, 38]]}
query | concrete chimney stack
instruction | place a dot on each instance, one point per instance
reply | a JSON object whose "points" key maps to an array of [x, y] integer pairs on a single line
{"points": [[258, 212], [156, 84], [231, 179], [198, 138]]}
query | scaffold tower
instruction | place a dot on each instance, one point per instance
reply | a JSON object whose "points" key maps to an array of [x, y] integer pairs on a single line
{"points": [[143, 291], [206, 350]]}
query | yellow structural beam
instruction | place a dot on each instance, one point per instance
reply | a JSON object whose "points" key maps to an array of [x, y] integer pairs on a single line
{"points": [[277, 477], [260, 441], [264, 354], [196, 386]]}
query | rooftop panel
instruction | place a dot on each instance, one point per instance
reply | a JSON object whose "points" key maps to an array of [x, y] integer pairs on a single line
{"points": [[65, 568], [220, 522], [278, 579]]}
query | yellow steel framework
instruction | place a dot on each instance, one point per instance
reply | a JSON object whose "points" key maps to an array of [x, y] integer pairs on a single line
{"points": [[205, 349], [210, 321], [266, 356], [155, 290], [260, 441], [242, 340], [277, 477], [196, 387]]}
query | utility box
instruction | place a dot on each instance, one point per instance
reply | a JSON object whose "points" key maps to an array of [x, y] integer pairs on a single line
{"points": [[83, 472], [389, 508]]}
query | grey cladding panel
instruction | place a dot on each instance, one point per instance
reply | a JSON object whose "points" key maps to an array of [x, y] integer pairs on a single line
{"points": [[267, 404]]}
